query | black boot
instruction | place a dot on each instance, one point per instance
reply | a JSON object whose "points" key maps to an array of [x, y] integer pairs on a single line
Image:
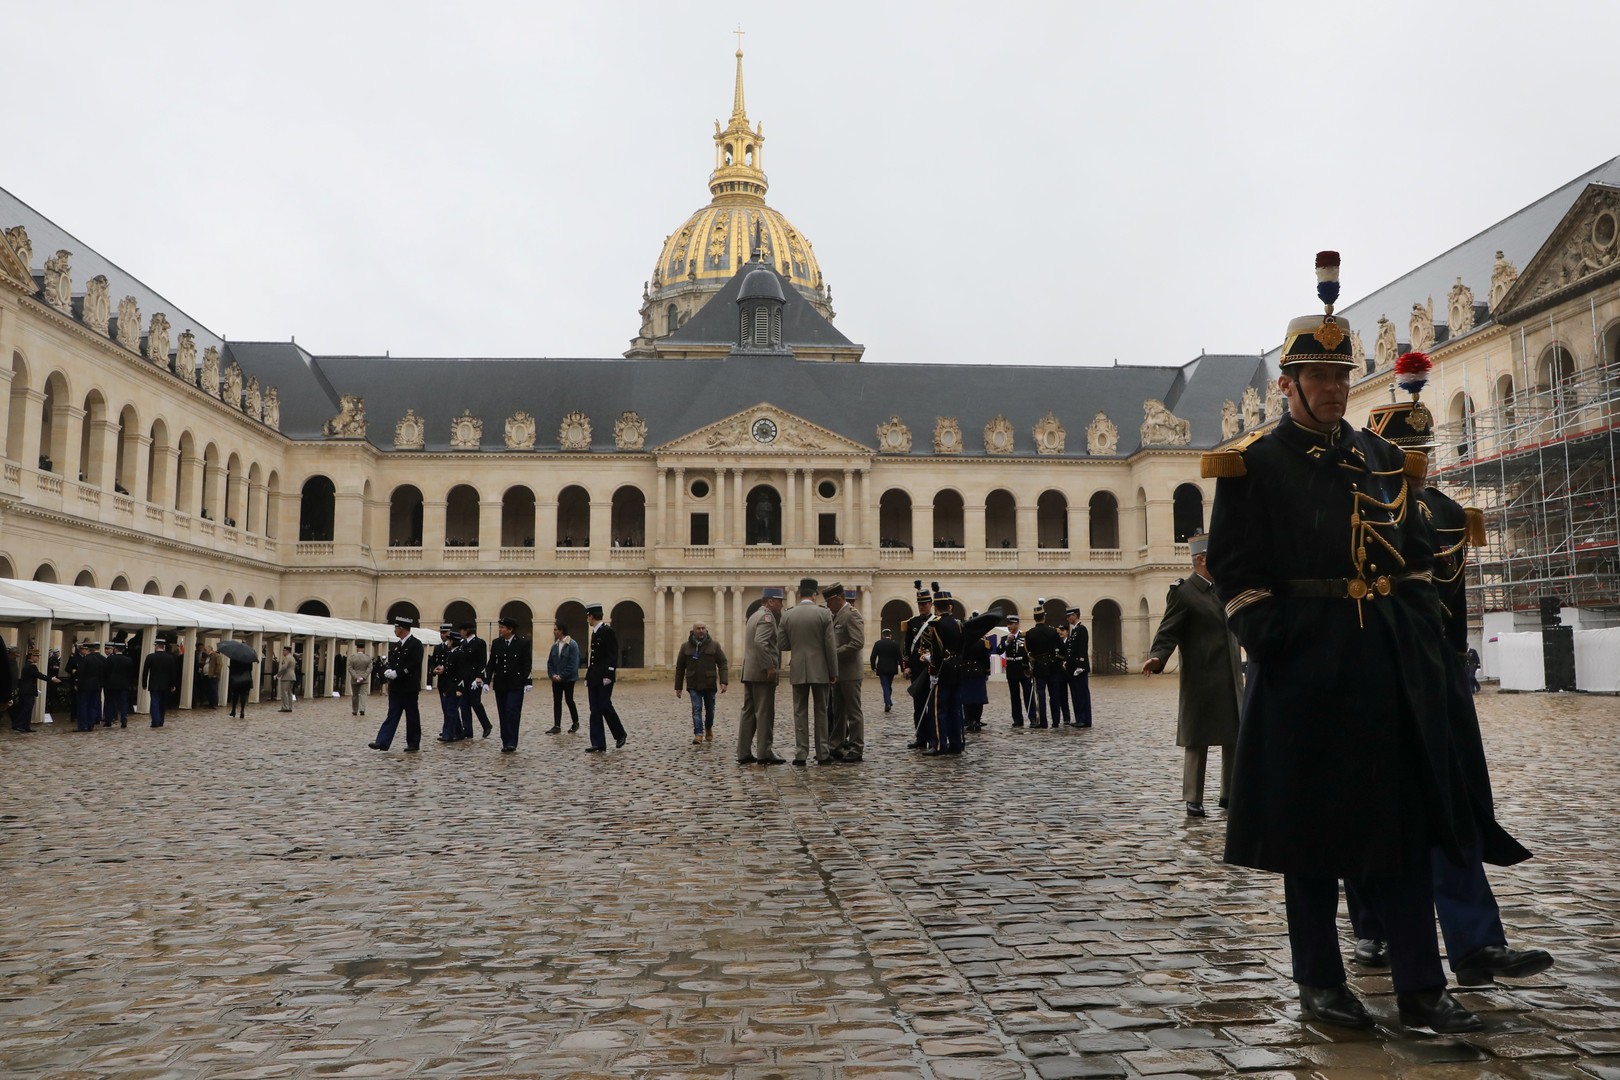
{"points": [[1438, 1011], [1333, 1005]]}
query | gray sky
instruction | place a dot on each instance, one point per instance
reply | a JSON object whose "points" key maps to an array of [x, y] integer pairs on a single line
{"points": [[1036, 183]]}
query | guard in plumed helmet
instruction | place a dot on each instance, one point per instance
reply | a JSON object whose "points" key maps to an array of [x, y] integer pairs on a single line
{"points": [[941, 650], [914, 668], [1470, 921], [1344, 767]]}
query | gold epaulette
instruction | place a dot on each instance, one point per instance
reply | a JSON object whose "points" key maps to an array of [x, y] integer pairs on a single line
{"points": [[1475, 535], [1417, 464], [1229, 462]]}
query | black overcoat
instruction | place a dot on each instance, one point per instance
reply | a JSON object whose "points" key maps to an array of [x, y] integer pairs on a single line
{"points": [[1344, 765], [1211, 682]]}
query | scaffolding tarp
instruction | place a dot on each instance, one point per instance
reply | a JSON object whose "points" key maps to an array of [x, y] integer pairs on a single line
{"points": [[1519, 662], [1597, 660]]}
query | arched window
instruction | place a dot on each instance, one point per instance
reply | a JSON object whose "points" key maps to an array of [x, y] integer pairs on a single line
{"points": [[405, 516], [894, 613], [7, 571], [629, 517], [152, 589], [1008, 607], [92, 462], [948, 526], [179, 592], [1555, 368], [517, 517], [1000, 519], [764, 510], [457, 612], [1052, 520], [317, 509], [1104, 522], [1460, 425], [54, 424], [1107, 639], [522, 614], [120, 584], [17, 418], [85, 580], [631, 627], [461, 517], [315, 607], [129, 448], [894, 519], [1187, 512], [46, 573], [206, 596], [573, 517], [401, 609], [672, 318], [571, 613]]}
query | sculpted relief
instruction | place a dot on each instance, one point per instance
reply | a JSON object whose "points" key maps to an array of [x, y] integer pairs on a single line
{"points": [[466, 431], [232, 393], [1230, 420], [998, 436], [1102, 437], [1357, 352], [58, 288], [1250, 407], [209, 380], [1049, 435], [17, 237], [1385, 348], [411, 432], [349, 423], [97, 310], [129, 324], [185, 359], [1460, 309], [947, 435], [520, 431], [630, 431], [253, 401], [1503, 277], [272, 409], [1161, 427], [1274, 402], [1422, 326], [574, 433], [895, 438], [157, 340]]}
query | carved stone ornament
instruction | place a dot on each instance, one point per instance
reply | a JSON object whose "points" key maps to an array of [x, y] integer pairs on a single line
{"points": [[185, 359], [17, 237], [1274, 403], [58, 288], [1358, 351], [129, 324], [731, 434], [520, 431], [1503, 276], [947, 435], [574, 433], [1592, 245], [1102, 437], [895, 438], [1049, 435], [1460, 309], [1422, 326], [630, 431], [349, 423], [157, 340], [1161, 427], [232, 394], [998, 436], [209, 380], [1230, 421], [1250, 407], [97, 311], [466, 431], [272, 409], [1385, 347], [252, 400], [411, 432]]}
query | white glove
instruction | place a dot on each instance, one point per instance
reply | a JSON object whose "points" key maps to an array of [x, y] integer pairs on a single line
{"points": [[390, 673], [607, 682], [933, 680], [478, 684]]}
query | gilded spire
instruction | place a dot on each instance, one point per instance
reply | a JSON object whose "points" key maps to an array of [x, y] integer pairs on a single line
{"points": [[739, 158], [739, 111]]}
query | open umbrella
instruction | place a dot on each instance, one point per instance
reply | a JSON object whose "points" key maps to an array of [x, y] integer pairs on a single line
{"points": [[238, 652]]}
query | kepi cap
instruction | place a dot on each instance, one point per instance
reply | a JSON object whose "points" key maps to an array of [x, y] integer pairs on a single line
{"points": [[594, 609], [1198, 545], [830, 591], [1325, 338], [773, 592]]}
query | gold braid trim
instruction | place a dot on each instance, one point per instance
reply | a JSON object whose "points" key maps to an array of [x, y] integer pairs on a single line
{"points": [[1244, 599], [1476, 526], [1417, 464]]}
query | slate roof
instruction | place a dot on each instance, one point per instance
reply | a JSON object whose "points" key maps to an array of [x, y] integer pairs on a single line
{"points": [[716, 321], [1518, 236]]}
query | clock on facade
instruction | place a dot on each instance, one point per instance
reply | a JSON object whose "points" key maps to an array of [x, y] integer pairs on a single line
{"points": [[764, 430]]}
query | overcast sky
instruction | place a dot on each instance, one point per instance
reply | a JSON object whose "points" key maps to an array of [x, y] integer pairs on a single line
{"points": [[1065, 183]]}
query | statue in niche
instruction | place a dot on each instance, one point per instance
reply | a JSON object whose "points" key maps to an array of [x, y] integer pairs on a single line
{"points": [[272, 409], [1460, 309], [97, 309], [1274, 402], [253, 402], [1230, 421], [630, 431], [233, 390], [350, 422], [1422, 326], [1385, 346], [411, 432], [466, 431], [129, 324], [185, 359], [1049, 435], [209, 380], [1250, 407], [1503, 276], [764, 523], [58, 288], [17, 237], [157, 340], [520, 431], [1102, 437], [1161, 427]]}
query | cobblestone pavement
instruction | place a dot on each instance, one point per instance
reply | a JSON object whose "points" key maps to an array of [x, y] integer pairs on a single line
{"points": [[268, 898]]}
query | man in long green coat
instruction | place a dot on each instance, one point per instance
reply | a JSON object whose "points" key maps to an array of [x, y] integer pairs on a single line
{"points": [[1211, 682]]}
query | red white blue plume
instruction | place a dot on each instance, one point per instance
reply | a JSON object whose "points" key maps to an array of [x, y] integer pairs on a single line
{"points": [[1412, 371], [1327, 278]]}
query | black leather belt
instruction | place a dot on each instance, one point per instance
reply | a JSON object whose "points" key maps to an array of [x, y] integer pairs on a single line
{"points": [[1343, 588]]}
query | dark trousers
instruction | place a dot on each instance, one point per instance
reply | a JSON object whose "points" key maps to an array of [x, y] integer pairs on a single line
{"points": [[158, 700], [561, 693], [1058, 697], [22, 713], [238, 698], [1046, 687], [602, 711], [401, 703], [471, 704], [87, 709], [1404, 904], [1080, 694], [972, 717], [509, 709], [946, 725], [115, 706], [1018, 691], [1469, 917], [450, 730], [887, 682], [210, 690]]}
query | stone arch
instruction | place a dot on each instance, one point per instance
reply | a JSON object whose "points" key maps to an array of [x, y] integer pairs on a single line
{"points": [[316, 607], [459, 611], [157, 478], [571, 613], [85, 580], [1555, 367], [269, 603], [247, 601], [53, 425], [185, 475], [230, 598], [234, 511], [120, 584], [520, 613], [206, 596], [17, 417], [400, 609], [461, 506], [573, 517], [1104, 521], [45, 572], [630, 624], [1000, 519], [1187, 511], [1052, 520], [317, 509], [949, 527], [894, 519], [894, 613], [127, 449], [405, 516], [1460, 424], [1107, 638], [1007, 606], [628, 525], [212, 499], [152, 588], [517, 517], [93, 465], [764, 515], [1054, 608], [272, 489], [179, 592], [8, 570]]}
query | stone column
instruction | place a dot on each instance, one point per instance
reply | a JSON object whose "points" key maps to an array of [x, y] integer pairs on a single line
{"points": [[167, 462], [33, 417], [739, 511], [256, 639], [848, 529], [6, 323], [42, 640], [306, 685], [188, 666], [188, 498], [137, 464], [433, 524], [258, 501], [103, 454], [718, 630], [660, 518], [973, 528], [679, 628], [348, 511], [789, 499], [236, 497], [1028, 536], [489, 524], [683, 532], [660, 648], [869, 513], [738, 624], [1079, 529], [64, 451], [922, 529], [808, 530], [214, 494], [545, 525]]}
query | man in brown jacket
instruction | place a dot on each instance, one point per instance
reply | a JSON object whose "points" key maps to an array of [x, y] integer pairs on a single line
{"points": [[846, 732], [701, 667]]}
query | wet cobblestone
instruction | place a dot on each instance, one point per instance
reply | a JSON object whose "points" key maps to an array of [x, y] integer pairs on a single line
{"points": [[268, 898]]}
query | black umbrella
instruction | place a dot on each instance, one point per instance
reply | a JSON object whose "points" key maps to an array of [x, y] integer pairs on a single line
{"points": [[238, 652]]}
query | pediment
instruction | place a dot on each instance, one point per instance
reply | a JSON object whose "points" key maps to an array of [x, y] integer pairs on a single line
{"points": [[763, 429], [13, 268], [1584, 248]]}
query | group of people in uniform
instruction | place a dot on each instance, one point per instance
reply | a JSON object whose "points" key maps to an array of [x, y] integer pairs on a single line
{"points": [[101, 685]]}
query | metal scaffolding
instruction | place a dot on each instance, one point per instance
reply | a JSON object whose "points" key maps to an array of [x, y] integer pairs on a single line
{"points": [[1542, 466]]}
